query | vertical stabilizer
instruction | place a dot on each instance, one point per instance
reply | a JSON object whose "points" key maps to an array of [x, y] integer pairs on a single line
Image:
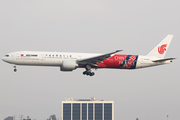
{"points": [[161, 49]]}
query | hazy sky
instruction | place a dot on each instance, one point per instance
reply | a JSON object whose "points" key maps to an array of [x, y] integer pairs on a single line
{"points": [[93, 26]]}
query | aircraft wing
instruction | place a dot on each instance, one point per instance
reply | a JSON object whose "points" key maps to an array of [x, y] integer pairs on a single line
{"points": [[95, 59], [162, 60]]}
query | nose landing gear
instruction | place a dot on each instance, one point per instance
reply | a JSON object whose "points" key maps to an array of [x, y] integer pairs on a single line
{"points": [[88, 71], [15, 70]]}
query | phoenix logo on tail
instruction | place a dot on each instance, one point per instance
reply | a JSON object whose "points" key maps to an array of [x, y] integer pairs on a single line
{"points": [[162, 49]]}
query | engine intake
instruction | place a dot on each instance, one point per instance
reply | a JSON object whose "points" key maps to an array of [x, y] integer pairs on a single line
{"points": [[68, 65]]}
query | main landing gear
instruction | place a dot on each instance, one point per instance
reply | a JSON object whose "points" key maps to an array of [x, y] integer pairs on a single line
{"points": [[88, 71], [15, 70]]}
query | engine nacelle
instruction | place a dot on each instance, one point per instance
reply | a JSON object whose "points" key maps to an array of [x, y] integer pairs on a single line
{"points": [[68, 65]]}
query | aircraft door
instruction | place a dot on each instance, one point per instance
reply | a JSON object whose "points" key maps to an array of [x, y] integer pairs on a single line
{"points": [[42, 58], [17, 57]]}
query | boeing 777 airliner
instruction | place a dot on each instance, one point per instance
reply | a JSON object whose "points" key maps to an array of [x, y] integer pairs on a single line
{"points": [[71, 61]]}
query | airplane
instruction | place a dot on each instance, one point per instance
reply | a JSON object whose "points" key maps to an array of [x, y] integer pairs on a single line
{"points": [[70, 61]]}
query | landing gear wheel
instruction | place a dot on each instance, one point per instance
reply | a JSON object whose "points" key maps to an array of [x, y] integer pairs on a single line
{"points": [[85, 73], [15, 68], [88, 71], [91, 74]]}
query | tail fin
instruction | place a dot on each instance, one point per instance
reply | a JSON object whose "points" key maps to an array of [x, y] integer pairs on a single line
{"points": [[161, 49]]}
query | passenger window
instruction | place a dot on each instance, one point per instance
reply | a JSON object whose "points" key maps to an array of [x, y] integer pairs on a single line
{"points": [[49, 55], [6, 55]]}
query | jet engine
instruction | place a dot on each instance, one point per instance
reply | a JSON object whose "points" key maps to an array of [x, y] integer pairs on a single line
{"points": [[68, 65]]}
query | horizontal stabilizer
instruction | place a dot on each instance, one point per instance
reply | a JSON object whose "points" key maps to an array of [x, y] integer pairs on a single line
{"points": [[162, 60]]}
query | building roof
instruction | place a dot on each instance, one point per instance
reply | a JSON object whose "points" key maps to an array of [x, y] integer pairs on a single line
{"points": [[85, 100]]}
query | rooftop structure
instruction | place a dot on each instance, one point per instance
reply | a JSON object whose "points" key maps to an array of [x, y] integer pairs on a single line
{"points": [[52, 117]]}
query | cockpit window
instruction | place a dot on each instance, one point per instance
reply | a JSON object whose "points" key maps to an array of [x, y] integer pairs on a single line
{"points": [[6, 55]]}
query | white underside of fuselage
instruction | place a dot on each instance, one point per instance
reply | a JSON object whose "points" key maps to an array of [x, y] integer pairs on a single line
{"points": [[144, 61], [55, 59]]}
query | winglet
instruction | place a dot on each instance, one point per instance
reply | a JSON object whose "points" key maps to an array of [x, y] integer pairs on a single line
{"points": [[118, 50]]}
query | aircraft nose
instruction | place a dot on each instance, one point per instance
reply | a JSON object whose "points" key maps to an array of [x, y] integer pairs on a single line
{"points": [[3, 59]]}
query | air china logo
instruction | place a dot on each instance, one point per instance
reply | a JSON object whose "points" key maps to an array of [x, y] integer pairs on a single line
{"points": [[162, 49]]}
